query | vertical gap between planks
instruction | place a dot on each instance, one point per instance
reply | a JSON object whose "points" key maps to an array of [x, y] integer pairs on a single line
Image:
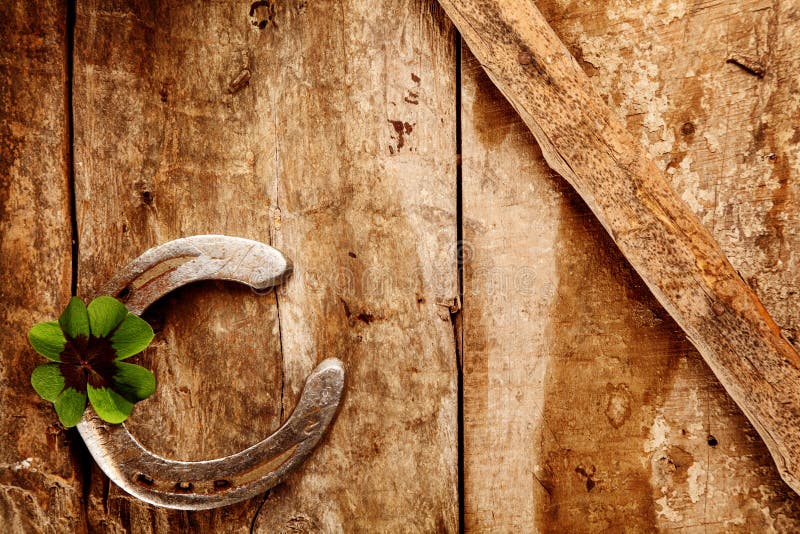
{"points": [[79, 450], [276, 292], [273, 237], [69, 62], [457, 320], [258, 512]]}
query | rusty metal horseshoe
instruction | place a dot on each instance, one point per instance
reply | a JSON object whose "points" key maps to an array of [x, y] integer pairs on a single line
{"points": [[222, 481]]}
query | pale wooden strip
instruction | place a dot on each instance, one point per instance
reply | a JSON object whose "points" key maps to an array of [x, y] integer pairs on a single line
{"points": [[675, 255]]}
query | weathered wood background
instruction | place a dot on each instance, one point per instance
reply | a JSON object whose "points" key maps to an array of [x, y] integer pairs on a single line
{"points": [[608, 419], [332, 131]]}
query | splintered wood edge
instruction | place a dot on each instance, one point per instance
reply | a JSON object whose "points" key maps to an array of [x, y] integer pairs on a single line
{"points": [[676, 256]]}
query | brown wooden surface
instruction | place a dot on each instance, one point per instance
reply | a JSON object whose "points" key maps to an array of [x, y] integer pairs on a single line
{"points": [[40, 481], [657, 232], [330, 133], [190, 119], [614, 416]]}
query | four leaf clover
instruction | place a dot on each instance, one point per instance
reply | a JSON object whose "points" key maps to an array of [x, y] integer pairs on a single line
{"points": [[87, 346]]}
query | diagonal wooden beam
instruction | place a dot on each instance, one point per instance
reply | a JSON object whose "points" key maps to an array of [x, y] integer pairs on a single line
{"points": [[675, 255]]}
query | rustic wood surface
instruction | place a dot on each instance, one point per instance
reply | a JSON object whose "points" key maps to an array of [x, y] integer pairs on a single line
{"points": [[677, 257], [616, 421], [40, 480], [330, 133], [315, 128]]}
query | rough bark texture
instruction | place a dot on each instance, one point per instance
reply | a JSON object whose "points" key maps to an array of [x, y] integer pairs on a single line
{"points": [[617, 421], [321, 130], [40, 483]]}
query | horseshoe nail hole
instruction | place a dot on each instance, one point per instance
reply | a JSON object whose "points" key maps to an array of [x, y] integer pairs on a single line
{"points": [[222, 484], [184, 486], [144, 480]]}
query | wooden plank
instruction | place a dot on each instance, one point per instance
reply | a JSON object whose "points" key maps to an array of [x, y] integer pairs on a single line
{"points": [[324, 131], [676, 256], [163, 150], [40, 479], [600, 383], [511, 218]]}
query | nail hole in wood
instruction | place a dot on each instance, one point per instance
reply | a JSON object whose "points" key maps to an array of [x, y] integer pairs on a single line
{"points": [[261, 13]]}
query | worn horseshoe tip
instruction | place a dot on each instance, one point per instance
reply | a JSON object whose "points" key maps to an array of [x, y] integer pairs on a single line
{"points": [[222, 481]]}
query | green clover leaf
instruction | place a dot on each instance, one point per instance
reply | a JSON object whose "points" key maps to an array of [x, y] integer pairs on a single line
{"points": [[87, 345]]}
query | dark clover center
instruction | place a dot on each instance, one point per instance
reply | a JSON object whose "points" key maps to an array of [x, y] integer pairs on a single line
{"points": [[88, 360]]}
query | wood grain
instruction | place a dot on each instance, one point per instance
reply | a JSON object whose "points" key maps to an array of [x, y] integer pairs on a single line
{"points": [[664, 241], [585, 408], [40, 479], [317, 128], [164, 151], [511, 218], [611, 389]]}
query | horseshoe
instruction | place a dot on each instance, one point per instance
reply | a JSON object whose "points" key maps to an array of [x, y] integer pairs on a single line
{"points": [[222, 481]]}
